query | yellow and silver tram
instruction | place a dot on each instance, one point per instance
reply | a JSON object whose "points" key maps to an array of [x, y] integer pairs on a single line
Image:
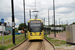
{"points": [[35, 29]]}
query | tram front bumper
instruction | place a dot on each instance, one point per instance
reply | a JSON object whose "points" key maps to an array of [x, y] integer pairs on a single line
{"points": [[36, 38]]}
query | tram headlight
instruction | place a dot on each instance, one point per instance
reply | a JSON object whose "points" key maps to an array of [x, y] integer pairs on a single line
{"points": [[40, 34], [31, 34]]}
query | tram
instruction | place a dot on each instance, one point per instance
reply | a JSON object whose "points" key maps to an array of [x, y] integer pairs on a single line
{"points": [[35, 29]]}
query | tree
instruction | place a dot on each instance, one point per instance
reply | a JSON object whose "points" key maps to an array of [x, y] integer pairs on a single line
{"points": [[21, 26], [72, 23], [16, 30]]}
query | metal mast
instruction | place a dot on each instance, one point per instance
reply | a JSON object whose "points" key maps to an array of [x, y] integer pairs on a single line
{"points": [[13, 22], [35, 5], [30, 13], [54, 17], [48, 18], [24, 16]]}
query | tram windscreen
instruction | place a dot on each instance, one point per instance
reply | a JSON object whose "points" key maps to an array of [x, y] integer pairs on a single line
{"points": [[35, 27]]}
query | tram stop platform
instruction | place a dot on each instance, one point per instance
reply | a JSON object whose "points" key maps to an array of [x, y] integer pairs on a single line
{"points": [[61, 36]]}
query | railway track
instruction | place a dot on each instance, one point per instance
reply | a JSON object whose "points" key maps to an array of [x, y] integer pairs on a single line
{"points": [[35, 45]]}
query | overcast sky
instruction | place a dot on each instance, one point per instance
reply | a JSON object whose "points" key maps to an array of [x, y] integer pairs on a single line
{"points": [[64, 9]]}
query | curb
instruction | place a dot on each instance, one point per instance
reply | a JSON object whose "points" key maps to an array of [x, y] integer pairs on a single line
{"points": [[17, 45], [50, 43]]}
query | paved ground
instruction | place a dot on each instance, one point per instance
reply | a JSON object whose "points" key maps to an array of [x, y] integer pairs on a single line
{"points": [[62, 36]]}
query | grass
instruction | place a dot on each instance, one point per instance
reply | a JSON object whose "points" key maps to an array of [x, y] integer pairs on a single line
{"points": [[17, 41], [2, 47], [56, 42], [8, 36]]}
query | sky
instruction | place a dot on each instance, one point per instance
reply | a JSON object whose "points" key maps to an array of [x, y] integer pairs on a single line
{"points": [[64, 10]]}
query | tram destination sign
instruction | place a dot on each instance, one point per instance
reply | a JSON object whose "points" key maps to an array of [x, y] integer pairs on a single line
{"points": [[35, 21]]}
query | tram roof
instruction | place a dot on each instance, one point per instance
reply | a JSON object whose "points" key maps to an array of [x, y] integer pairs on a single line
{"points": [[34, 19]]}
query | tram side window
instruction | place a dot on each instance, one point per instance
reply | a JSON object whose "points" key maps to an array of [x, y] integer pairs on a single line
{"points": [[42, 27]]}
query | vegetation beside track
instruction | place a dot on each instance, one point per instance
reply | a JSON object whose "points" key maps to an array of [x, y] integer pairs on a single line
{"points": [[8, 37], [56, 42], [17, 41]]}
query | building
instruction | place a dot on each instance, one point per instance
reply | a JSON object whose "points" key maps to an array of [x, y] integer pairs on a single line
{"points": [[4, 24], [5, 28], [8, 28]]}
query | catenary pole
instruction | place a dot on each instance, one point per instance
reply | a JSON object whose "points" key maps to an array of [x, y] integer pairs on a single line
{"points": [[30, 13], [48, 18], [59, 21], [13, 22], [44, 21], [54, 17], [24, 17]]}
